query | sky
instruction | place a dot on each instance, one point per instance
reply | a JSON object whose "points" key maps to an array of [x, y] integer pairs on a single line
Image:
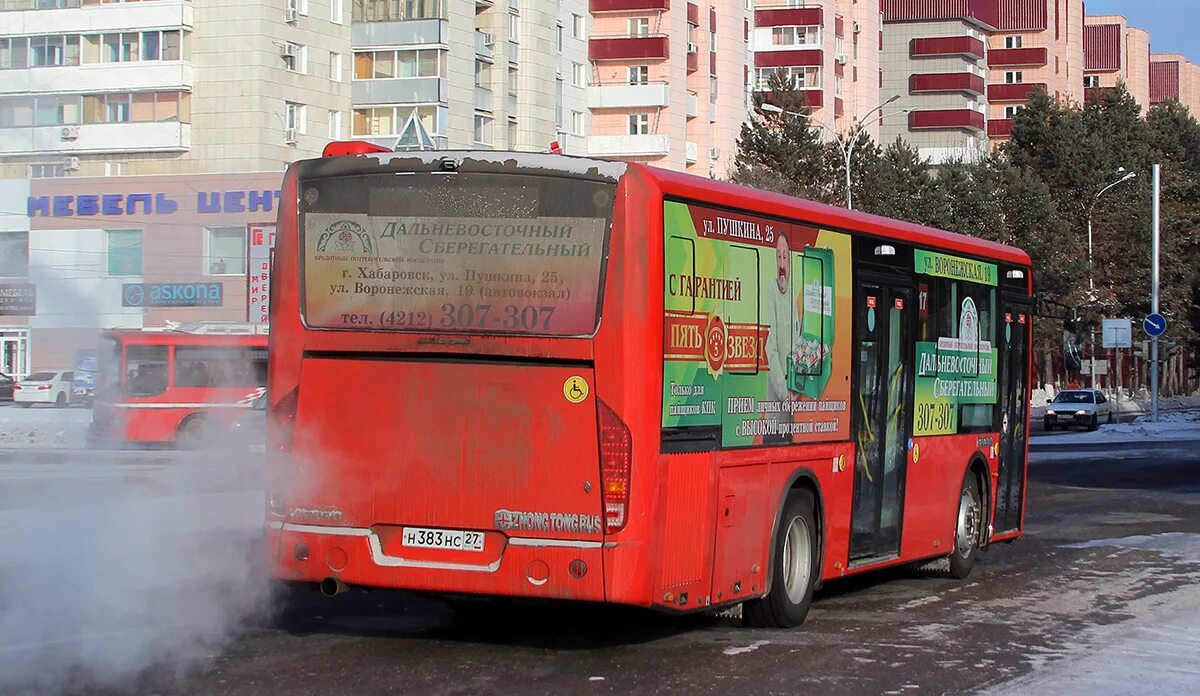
{"points": [[1172, 23]]}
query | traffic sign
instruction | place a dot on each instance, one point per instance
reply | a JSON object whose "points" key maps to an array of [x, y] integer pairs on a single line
{"points": [[1154, 324], [1117, 333]]}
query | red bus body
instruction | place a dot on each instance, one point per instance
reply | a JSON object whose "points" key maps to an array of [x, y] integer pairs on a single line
{"points": [[373, 429], [152, 385]]}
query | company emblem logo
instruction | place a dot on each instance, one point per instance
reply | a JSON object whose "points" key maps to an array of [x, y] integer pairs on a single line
{"points": [[716, 339], [345, 236]]}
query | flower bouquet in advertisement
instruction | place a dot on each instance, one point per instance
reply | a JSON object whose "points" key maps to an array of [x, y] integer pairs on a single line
{"points": [[809, 363]]}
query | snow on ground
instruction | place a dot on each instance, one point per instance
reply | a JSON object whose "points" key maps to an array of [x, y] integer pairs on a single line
{"points": [[1172, 426], [43, 426]]}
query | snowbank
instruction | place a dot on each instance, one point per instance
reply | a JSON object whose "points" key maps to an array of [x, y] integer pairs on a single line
{"points": [[42, 426], [1172, 426], [1127, 402]]}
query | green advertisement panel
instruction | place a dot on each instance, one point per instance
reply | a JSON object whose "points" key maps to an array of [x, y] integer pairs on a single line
{"points": [[757, 327]]}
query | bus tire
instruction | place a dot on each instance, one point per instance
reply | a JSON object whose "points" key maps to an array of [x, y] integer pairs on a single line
{"points": [[794, 570], [192, 433], [968, 523]]}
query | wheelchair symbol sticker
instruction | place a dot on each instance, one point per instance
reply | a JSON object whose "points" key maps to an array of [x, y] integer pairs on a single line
{"points": [[575, 389]]}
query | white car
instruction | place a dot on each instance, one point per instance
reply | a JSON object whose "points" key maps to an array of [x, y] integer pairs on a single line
{"points": [[1086, 407], [45, 387]]}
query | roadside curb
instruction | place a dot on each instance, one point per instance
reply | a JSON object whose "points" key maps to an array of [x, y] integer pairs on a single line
{"points": [[1100, 446]]}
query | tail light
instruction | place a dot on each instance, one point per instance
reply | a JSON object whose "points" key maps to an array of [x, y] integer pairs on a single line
{"points": [[43, 387], [616, 458], [352, 147]]}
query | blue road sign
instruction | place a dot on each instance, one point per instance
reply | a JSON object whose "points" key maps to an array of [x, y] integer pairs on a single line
{"points": [[1154, 324]]}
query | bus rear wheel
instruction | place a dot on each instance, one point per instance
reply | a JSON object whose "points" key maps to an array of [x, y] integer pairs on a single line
{"points": [[795, 568], [192, 433], [967, 527]]}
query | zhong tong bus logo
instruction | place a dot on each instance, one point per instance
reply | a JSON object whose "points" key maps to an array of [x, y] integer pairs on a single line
{"points": [[345, 236], [716, 340]]}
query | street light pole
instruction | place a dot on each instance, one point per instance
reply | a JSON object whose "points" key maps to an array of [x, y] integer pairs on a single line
{"points": [[847, 147], [1091, 272]]}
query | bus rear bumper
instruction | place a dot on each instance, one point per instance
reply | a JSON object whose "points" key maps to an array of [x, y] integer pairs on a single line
{"points": [[532, 568]]}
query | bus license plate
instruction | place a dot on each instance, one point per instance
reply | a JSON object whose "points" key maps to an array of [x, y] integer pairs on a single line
{"points": [[421, 537]]}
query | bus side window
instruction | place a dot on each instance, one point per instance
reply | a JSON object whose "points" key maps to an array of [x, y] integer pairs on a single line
{"points": [[145, 370]]}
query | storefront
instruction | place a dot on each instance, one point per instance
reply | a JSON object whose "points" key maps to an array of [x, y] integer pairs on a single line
{"points": [[130, 252]]}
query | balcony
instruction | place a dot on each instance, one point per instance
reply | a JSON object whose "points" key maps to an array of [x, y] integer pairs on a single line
{"points": [[691, 152], [97, 138], [814, 97], [999, 128], [1091, 94], [946, 82], [403, 90], [92, 19], [654, 47], [485, 45], [693, 14], [483, 99], [650, 145], [1017, 92], [411, 32], [1016, 57], [622, 95], [142, 76], [693, 62], [946, 119], [693, 105], [788, 17], [810, 57], [602, 6], [966, 46]]}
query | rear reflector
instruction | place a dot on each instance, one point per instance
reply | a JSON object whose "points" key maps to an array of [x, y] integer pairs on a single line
{"points": [[616, 457]]}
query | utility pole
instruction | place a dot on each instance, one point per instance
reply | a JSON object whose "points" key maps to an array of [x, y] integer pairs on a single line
{"points": [[1154, 292]]}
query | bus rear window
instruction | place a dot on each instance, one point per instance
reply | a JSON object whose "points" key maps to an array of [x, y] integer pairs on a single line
{"points": [[455, 253]]}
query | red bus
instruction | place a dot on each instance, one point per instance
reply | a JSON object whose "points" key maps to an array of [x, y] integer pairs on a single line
{"points": [[178, 384], [529, 375]]}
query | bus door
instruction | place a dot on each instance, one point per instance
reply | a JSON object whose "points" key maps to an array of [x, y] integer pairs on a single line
{"points": [[1014, 406], [882, 423]]}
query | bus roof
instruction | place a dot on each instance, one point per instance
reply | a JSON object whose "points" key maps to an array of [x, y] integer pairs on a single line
{"points": [[683, 185], [829, 216]]}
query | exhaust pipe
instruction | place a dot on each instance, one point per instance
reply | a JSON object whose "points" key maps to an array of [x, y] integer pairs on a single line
{"points": [[331, 587]]}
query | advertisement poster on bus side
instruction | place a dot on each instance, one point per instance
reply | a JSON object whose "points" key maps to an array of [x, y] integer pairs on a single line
{"points": [[958, 370], [757, 327]]}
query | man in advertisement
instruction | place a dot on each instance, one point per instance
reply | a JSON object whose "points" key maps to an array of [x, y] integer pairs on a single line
{"points": [[779, 313]]}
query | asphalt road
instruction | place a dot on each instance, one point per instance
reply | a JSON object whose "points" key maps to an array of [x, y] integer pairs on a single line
{"points": [[1108, 531]]}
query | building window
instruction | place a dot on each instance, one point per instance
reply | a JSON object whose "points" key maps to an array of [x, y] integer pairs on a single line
{"points": [[335, 11], [639, 74], [577, 26], [1012, 42], [335, 66], [639, 26], [124, 252], [389, 120], [295, 120], [14, 254], [559, 36], [795, 36], [47, 170], [295, 58], [392, 11], [224, 250], [712, 89], [578, 123], [1011, 111], [514, 27], [712, 40], [579, 74], [386, 65], [483, 129], [639, 124], [117, 108], [838, 85], [802, 77], [1091, 81], [1014, 77], [74, 109], [335, 125], [115, 168], [558, 103]]}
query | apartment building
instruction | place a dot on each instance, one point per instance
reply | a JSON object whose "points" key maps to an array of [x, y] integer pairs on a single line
{"points": [[1037, 45], [1173, 76], [935, 58], [831, 49], [96, 88], [1115, 53]]}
